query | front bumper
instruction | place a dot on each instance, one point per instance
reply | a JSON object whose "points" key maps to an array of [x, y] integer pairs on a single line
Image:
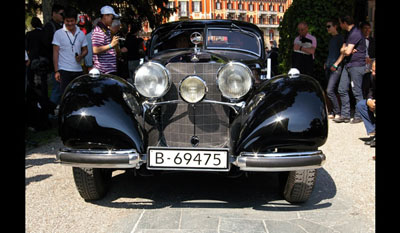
{"points": [[286, 161], [99, 158], [246, 161]]}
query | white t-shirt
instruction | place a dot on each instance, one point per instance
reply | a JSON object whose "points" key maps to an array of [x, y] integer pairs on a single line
{"points": [[306, 42], [69, 45]]}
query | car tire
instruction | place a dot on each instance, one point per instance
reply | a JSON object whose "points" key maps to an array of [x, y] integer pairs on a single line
{"points": [[92, 183], [299, 185]]}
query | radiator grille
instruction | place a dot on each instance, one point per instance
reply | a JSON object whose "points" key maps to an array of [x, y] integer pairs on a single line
{"points": [[209, 122]]}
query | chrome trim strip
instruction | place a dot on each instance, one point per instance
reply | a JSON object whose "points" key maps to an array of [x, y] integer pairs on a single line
{"points": [[152, 105], [286, 161], [99, 158]]}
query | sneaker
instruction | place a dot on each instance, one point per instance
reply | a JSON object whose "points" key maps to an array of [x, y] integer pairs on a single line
{"points": [[372, 144], [369, 140], [341, 120], [356, 120]]}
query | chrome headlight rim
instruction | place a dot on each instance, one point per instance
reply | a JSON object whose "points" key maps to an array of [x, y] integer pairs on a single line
{"points": [[166, 73], [197, 78], [233, 99]]}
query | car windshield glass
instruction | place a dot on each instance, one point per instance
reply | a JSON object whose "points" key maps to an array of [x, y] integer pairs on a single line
{"points": [[233, 39], [179, 39]]}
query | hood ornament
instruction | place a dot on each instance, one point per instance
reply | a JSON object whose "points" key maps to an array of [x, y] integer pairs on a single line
{"points": [[196, 38]]}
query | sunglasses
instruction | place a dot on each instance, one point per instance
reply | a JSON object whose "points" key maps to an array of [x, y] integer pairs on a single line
{"points": [[328, 26]]}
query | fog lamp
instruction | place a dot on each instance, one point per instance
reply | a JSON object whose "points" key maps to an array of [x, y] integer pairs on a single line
{"points": [[192, 89]]}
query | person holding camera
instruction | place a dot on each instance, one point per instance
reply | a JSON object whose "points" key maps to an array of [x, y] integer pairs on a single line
{"points": [[69, 48], [104, 54]]}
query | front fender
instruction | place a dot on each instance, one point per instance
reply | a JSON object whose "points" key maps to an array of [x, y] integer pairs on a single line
{"points": [[101, 113], [283, 113]]}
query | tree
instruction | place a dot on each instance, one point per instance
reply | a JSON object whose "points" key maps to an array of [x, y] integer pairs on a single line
{"points": [[153, 11], [316, 13]]}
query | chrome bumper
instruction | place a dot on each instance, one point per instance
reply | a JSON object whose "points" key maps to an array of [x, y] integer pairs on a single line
{"points": [[246, 161], [99, 158], [287, 161]]}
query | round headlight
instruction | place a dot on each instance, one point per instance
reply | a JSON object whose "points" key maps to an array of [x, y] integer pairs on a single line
{"points": [[192, 89], [234, 80], [152, 80]]}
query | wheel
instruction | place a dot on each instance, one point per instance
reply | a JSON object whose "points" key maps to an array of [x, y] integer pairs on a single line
{"points": [[298, 185], [92, 183]]}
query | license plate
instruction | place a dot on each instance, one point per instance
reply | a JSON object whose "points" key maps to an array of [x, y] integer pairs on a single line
{"points": [[187, 159]]}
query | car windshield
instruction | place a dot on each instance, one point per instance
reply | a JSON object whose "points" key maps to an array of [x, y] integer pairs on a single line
{"points": [[233, 39], [217, 38]]}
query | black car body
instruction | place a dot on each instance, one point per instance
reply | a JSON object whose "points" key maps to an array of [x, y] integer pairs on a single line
{"points": [[200, 102]]}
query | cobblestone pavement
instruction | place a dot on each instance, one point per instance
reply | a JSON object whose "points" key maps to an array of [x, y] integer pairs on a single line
{"points": [[343, 199]]}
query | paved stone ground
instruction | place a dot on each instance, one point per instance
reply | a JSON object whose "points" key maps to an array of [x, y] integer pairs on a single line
{"points": [[343, 199]]}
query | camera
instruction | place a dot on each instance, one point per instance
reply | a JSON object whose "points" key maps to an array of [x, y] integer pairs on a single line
{"points": [[121, 42]]}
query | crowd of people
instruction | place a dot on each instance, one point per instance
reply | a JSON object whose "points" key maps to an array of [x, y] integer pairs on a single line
{"points": [[349, 68], [64, 49]]}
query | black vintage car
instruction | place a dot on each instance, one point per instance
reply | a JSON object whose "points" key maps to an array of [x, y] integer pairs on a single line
{"points": [[202, 101]]}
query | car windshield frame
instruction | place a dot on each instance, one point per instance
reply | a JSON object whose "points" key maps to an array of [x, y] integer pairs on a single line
{"points": [[205, 44]]}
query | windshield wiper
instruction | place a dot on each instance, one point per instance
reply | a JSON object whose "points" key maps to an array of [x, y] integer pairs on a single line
{"points": [[242, 30], [236, 26], [172, 30]]}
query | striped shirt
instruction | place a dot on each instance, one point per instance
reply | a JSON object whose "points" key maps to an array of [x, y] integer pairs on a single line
{"points": [[106, 62]]}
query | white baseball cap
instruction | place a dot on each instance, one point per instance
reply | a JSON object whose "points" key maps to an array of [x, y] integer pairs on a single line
{"points": [[105, 10]]}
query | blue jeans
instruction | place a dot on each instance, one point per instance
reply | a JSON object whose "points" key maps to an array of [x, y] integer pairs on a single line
{"points": [[333, 81], [352, 76], [55, 91], [367, 116]]}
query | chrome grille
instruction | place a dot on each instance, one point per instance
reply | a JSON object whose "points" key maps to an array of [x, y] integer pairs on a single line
{"points": [[209, 122]]}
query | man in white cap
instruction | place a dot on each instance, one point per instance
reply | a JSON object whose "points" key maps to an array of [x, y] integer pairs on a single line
{"points": [[104, 55]]}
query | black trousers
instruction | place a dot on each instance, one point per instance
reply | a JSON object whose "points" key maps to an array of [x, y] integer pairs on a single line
{"points": [[66, 78], [304, 63]]}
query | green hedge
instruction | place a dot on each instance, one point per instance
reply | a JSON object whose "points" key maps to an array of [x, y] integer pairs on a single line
{"points": [[316, 13]]}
